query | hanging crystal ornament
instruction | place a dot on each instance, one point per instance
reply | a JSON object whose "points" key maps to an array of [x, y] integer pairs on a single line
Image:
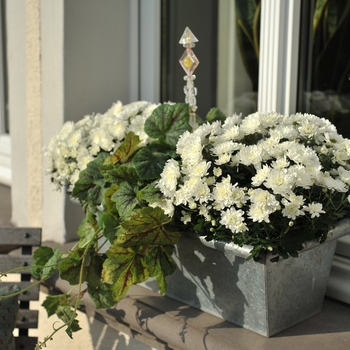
{"points": [[189, 63]]}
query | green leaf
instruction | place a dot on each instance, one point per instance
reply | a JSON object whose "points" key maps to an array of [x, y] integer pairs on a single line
{"points": [[160, 264], [94, 270], [168, 122], [41, 257], [128, 147], [147, 228], [67, 315], [109, 204], [108, 223], [123, 267], [125, 198], [102, 295], [118, 173], [149, 162], [51, 303], [70, 268], [51, 264], [90, 184], [150, 193], [86, 231], [215, 114]]}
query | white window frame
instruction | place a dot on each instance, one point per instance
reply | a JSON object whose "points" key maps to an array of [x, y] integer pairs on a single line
{"points": [[278, 79], [5, 141], [278, 83]]}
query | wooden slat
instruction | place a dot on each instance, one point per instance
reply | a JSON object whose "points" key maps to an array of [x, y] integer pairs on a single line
{"points": [[9, 262], [20, 235], [31, 294], [27, 319], [25, 343]]}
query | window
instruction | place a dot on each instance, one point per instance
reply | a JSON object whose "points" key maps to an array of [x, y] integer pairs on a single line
{"points": [[324, 79]]}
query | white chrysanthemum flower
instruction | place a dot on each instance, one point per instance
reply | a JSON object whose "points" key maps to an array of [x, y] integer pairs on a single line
{"points": [[307, 128], [117, 129], [251, 124], [165, 204], [217, 172], [264, 199], [101, 138], [168, 178], [315, 209], [334, 184], [190, 149], [233, 220], [292, 206], [261, 175], [67, 128], [304, 177], [281, 181], [92, 134], [270, 119], [74, 139], [202, 194], [259, 213], [222, 193], [224, 147], [186, 217], [340, 157], [204, 211], [344, 175], [200, 169], [251, 155], [280, 163]]}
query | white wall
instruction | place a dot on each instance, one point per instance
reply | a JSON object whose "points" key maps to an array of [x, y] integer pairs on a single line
{"points": [[16, 46], [84, 47]]}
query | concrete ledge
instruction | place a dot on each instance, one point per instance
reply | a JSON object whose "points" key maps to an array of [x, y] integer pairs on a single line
{"points": [[164, 323]]}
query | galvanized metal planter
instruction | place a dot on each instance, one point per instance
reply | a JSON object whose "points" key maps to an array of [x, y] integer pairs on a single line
{"points": [[265, 297]]}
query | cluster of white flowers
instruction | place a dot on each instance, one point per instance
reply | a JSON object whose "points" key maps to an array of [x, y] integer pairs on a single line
{"points": [[77, 144], [281, 158]]}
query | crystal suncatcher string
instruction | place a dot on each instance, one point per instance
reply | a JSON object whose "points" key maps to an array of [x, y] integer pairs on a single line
{"points": [[189, 63]]}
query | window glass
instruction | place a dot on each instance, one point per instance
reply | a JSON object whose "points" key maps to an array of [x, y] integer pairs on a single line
{"points": [[324, 85], [228, 50], [238, 55]]}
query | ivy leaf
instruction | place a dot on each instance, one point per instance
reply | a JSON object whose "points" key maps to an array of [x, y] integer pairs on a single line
{"points": [[68, 316], [51, 264], [215, 114], [94, 270], [70, 268], [147, 228], [108, 224], [168, 122], [41, 257], [110, 206], [86, 231], [128, 147], [118, 173], [123, 268], [51, 303], [90, 184], [160, 264], [150, 193], [149, 162], [102, 295], [125, 198]]}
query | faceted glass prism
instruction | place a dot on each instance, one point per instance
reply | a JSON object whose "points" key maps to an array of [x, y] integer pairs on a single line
{"points": [[188, 39], [189, 61]]}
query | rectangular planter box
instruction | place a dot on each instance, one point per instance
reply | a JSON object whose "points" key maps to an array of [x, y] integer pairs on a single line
{"points": [[265, 297]]}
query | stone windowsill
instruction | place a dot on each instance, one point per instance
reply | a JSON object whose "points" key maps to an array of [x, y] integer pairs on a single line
{"points": [[164, 323]]}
